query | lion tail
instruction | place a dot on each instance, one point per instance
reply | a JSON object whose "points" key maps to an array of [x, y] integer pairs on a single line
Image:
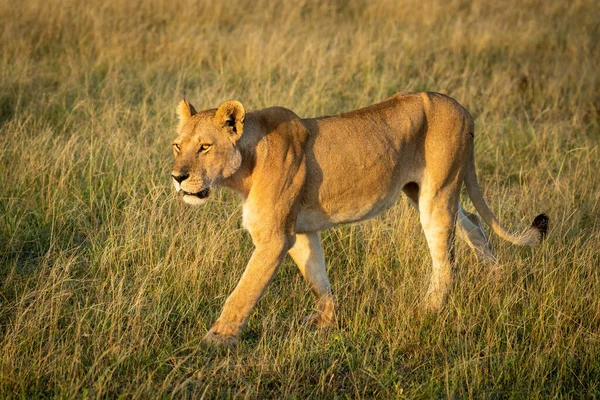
{"points": [[531, 236]]}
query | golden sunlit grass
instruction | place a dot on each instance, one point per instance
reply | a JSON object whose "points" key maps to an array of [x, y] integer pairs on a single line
{"points": [[108, 282]]}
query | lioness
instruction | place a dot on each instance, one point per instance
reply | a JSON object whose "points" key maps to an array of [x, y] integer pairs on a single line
{"points": [[300, 176]]}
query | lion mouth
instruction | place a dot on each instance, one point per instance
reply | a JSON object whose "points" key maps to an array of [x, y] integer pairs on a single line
{"points": [[201, 194]]}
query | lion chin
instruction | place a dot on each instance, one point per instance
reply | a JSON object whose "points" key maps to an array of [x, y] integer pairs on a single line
{"points": [[196, 199], [193, 200]]}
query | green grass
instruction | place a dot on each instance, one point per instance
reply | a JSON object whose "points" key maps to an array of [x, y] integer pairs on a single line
{"points": [[108, 282]]}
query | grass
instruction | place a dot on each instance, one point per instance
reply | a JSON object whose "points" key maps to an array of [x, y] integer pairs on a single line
{"points": [[108, 282]]}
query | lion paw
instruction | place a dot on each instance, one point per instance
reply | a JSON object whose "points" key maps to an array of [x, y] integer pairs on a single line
{"points": [[220, 340], [319, 320], [433, 302]]}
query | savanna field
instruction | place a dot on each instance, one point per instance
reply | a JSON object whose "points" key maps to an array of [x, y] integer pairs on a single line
{"points": [[108, 281]]}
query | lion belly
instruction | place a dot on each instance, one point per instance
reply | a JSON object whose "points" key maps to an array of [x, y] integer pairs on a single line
{"points": [[353, 193], [341, 212]]}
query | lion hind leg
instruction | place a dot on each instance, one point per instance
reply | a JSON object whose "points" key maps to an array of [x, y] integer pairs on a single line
{"points": [[468, 226], [307, 253], [437, 214], [470, 230]]}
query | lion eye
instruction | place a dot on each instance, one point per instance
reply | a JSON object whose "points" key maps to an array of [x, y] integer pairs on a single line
{"points": [[176, 147], [205, 147]]}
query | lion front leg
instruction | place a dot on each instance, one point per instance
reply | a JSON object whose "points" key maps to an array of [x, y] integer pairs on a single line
{"points": [[308, 256], [259, 272]]}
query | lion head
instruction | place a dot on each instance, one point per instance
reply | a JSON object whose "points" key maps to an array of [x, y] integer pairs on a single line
{"points": [[205, 150]]}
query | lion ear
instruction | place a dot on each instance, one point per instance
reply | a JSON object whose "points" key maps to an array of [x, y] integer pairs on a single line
{"points": [[185, 111], [230, 116]]}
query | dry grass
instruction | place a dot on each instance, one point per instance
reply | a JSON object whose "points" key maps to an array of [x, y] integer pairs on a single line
{"points": [[107, 282]]}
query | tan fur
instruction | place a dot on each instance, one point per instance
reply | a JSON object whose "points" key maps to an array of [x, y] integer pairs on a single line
{"points": [[300, 176]]}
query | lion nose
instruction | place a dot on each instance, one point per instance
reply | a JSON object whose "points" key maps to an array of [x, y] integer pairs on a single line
{"points": [[180, 178]]}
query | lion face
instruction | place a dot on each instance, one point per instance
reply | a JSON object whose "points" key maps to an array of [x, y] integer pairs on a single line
{"points": [[205, 150]]}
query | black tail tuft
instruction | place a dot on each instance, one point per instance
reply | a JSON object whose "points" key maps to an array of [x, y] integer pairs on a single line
{"points": [[541, 223]]}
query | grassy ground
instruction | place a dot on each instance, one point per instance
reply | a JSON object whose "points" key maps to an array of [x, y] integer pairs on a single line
{"points": [[107, 281]]}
